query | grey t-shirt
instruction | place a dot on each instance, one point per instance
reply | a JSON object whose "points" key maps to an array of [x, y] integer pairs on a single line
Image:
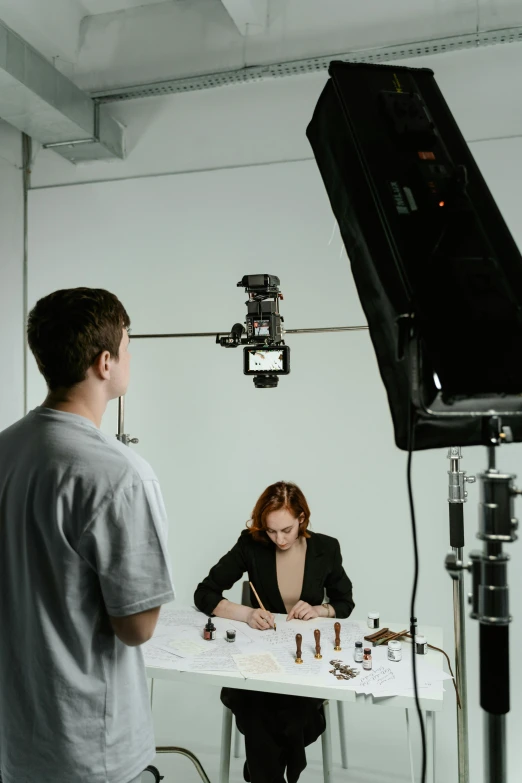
{"points": [[83, 535]]}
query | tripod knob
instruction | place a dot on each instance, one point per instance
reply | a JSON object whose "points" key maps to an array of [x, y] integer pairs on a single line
{"points": [[470, 479], [133, 440], [454, 566]]}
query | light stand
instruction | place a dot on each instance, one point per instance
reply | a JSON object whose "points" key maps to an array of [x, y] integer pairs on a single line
{"points": [[490, 599], [457, 496], [125, 439]]}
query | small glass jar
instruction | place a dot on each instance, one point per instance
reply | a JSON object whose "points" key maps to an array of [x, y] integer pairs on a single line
{"points": [[358, 652], [421, 645], [394, 651], [373, 619], [367, 658]]}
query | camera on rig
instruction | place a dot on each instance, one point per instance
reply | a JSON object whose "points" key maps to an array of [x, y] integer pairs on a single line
{"points": [[265, 354]]}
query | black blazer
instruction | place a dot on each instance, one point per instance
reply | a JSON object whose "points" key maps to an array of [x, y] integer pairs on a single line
{"points": [[323, 571]]}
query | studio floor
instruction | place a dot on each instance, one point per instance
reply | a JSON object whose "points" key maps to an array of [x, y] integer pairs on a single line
{"points": [[177, 769]]}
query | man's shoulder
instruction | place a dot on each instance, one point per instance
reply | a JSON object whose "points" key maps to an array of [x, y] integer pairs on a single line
{"points": [[56, 443], [136, 463]]}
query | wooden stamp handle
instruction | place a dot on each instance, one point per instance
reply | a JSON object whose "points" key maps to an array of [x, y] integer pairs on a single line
{"points": [[299, 642], [337, 629], [317, 636]]}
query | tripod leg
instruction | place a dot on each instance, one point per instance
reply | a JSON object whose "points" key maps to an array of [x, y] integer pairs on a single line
{"points": [[408, 731], [430, 741], [494, 698]]}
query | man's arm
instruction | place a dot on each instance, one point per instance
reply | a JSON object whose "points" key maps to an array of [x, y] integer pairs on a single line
{"points": [[125, 545], [135, 629]]}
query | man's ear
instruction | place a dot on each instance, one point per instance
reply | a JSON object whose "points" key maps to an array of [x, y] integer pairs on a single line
{"points": [[102, 366]]}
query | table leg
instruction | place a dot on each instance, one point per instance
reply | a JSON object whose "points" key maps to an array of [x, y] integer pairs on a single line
{"points": [[237, 741], [408, 732], [431, 747], [342, 734], [326, 740], [226, 739]]}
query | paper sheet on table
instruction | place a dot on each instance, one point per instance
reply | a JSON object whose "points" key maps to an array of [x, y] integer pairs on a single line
{"points": [[184, 640], [156, 657], [172, 616], [311, 667], [184, 648], [218, 658], [429, 672], [428, 676], [285, 657], [187, 640], [378, 679], [284, 635], [257, 664]]}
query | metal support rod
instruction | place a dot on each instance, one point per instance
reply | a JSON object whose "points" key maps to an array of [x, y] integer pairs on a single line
{"points": [[122, 437], [72, 143], [461, 673], [121, 417], [27, 155], [457, 496], [223, 333]]}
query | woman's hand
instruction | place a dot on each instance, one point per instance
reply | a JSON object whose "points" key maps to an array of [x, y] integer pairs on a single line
{"points": [[303, 611], [260, 619]]}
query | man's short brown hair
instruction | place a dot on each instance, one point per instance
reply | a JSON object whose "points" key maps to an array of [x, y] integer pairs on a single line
{"points": [[69, 329]]}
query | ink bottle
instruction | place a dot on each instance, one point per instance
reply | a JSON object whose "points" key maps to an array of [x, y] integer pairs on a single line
{"points": [[231, 636], [373, 619], [209, 631], [421, 645], [394, 650], [358, 653], [367, 658]]}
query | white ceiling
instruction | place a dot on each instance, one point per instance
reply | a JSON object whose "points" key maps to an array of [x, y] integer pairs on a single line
{"points": [[149, 40], [108, 6]]}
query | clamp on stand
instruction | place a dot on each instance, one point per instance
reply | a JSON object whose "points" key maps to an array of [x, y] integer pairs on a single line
{"points": [[489, 598]]}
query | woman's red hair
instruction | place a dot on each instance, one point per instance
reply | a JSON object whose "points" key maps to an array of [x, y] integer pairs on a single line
{"points": [[275, 497]]}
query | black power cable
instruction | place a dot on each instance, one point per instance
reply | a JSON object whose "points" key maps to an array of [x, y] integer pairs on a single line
{"points": [[411, 436]]}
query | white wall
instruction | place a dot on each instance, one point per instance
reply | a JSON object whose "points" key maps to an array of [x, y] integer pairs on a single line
{"points": [[173, 248], [11, 277]]}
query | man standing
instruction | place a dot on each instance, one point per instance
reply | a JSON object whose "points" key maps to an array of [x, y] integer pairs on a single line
{"points": [[84, 566]]}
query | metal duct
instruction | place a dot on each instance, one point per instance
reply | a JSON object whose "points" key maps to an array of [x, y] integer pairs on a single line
{"points": [[254, 73], [40, 101]]}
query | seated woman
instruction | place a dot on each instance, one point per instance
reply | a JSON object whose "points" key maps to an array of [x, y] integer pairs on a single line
{"points": [[293, 571]]}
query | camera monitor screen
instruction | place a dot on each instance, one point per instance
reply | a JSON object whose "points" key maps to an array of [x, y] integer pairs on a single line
{"points": [[262, 328], [271, 360]]}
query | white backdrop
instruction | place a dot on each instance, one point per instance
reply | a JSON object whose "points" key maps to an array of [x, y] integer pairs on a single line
{"points": [[173, 248]]}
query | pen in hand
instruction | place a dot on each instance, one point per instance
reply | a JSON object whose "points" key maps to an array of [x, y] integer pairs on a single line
{"points": [[259, 601]]}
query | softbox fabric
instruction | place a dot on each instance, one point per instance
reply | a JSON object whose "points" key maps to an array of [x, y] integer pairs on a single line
{"points": [[426, 239]]}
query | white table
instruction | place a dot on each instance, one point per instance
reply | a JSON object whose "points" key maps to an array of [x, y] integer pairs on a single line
{"points": [[431, 700]]}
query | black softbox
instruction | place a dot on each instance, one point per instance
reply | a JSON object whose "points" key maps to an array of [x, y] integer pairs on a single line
{"points": [[438, 273]]}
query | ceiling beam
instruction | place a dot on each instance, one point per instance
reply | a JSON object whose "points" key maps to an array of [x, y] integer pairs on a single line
{"points": [[249, 16]]}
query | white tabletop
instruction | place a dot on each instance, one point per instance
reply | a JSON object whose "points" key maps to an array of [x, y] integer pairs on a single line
{"points": [[431, 697]]}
